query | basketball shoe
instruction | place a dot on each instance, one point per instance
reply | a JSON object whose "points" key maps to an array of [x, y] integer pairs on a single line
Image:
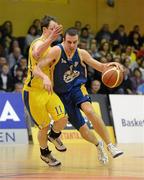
{"points": [[57, 143], [115, 152], [102, 156], [50, 160]]}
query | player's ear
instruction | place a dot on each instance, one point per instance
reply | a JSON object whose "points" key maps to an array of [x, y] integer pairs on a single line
{"points": [[44, 29]]}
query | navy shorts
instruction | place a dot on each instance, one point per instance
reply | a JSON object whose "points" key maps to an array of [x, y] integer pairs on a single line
{"points": [[72, 101]]}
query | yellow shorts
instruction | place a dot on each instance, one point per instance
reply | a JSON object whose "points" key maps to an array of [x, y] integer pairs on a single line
{"points": [[43, 107]]}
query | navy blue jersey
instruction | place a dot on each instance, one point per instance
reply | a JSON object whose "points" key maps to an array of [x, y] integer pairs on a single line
{"points": [[68, 73]]}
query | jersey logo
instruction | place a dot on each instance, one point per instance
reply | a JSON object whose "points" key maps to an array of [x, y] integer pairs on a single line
{"points": [[75, 64], [63, 61], [70, 75]]}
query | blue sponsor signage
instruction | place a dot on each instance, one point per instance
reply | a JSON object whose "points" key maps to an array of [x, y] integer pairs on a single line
{"points": [[12, 111]]}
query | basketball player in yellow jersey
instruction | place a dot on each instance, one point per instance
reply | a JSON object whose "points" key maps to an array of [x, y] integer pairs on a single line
{"points": [[38, 101]]}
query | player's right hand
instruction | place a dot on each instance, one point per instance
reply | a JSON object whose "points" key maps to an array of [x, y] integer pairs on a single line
{"points": [[56, 32], [117, 65], [47, 84]]}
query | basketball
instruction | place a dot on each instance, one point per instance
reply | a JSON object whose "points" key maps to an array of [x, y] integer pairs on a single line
{"points": [[112, 77]]}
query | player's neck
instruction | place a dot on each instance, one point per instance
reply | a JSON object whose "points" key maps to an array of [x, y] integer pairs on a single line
{"points": [[43, 37], [68, 53]]}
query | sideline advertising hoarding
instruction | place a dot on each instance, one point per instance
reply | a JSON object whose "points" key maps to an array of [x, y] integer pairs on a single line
{"points": [[128, 116], [13, 129]]}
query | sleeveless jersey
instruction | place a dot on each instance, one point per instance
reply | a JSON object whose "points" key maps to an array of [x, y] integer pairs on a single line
{"points": [[68, 73], [31, 81]]}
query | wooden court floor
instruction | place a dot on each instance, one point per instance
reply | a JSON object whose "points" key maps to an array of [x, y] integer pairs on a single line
{"points": [[22, 162]]}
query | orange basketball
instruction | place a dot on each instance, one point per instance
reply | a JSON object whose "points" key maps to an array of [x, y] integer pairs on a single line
{"points": [[112, 76]]}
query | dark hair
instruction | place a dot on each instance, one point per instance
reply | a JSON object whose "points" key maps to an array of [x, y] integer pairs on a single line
{"points": [[45, 21], [34, 27], [72, 31]]}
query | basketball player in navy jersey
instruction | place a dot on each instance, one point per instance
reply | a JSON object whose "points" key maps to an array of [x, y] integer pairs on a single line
{"points": [[69, 77]]}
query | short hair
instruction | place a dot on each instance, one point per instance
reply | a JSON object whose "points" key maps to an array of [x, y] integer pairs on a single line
{"points": [[45, 21], [72, 31]]}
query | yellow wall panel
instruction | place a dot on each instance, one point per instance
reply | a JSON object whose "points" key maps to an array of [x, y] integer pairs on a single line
{"points": [[23, 13], [94, 12]]}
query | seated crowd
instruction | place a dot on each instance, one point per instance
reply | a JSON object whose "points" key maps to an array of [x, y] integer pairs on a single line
{"points": [[104, 46]]}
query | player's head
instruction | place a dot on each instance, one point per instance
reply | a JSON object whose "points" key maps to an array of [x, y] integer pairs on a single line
{"points": [[71, 39], [48, 23]]}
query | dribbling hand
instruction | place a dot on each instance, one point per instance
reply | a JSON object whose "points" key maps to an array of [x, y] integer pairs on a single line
{"points": [[116, 64]]}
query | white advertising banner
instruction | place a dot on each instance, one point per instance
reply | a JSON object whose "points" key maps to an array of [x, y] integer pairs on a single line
{"points": [[13, 136], [128, 117]]}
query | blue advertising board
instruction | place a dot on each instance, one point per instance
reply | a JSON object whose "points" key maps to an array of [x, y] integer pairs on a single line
{"points": [[11, 111]]}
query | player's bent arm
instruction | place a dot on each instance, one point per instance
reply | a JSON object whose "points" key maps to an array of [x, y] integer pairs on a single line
{"points": [[52, 55], [41, 45], [87, 58], [37, 71]]}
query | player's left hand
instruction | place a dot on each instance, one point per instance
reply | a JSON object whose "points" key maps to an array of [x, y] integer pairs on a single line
{"points": [[56, 32], [47, 84]]}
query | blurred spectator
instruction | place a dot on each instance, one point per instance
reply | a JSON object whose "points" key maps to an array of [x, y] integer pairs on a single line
{"points": [[1, 37], [104, 48], [83, 44], [141, 67], [109, 57], [2, 50], [88, 26], [93, 50], [7, 34], [140, 53], [78, 26], [18, 78], [116, 50], [120, 35], [94, 87], [135, 41], [103, 33], [31, 35], [14, 56], [6, 81], [22, 65], [136, 79], [140, 89], [132, 56], [7, 29], [117, 58], [37, 24], [126, 86], [14, 44], [3, 61], [85, 36], [136, 29], [18, 87]]}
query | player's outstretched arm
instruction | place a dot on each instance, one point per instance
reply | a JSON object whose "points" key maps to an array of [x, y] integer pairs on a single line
{"points": [[87, 58]]}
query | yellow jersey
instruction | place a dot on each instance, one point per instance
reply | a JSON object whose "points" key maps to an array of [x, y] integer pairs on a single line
{"points": [[31, 81]]}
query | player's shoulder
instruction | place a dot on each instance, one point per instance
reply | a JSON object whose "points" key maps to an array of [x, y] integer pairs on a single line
{"points": [[37, 40], [82, 52], [55, 49]]}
